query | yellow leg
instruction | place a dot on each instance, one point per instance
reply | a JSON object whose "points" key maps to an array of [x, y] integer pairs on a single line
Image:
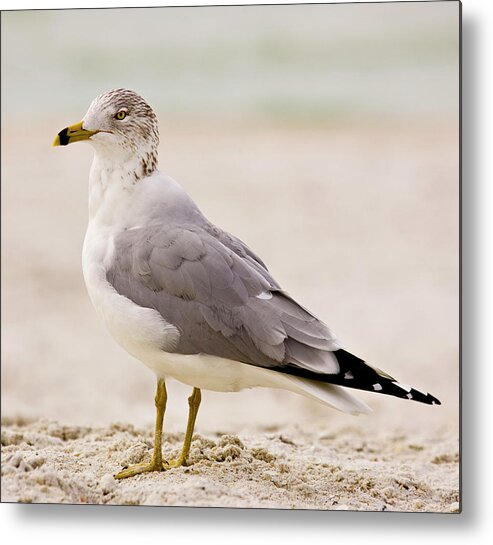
{"points": [[194, 404], [156, 463]]}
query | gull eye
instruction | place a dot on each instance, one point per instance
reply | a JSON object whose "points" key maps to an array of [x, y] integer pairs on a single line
{"points": [[122, 114]]}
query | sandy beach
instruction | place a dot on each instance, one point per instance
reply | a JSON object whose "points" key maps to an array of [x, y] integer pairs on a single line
{"points": [[360, 227], [289, 468]]}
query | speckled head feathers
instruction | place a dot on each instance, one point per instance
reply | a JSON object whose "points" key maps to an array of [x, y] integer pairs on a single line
{"points": [[126, 125]]}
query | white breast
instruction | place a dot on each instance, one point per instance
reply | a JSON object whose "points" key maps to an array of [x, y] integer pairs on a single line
{"points": [[135, 328]]}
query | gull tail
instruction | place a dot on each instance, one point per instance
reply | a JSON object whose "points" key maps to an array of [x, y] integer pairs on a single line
{"points": [[328, 394], [356, 373]]}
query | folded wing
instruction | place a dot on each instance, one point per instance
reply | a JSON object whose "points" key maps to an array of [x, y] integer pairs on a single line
{"points": [[221, 298], [224, 302]]}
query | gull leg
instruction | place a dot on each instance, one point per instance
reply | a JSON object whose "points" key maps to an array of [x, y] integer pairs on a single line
{"points": [[156, 463], [194, 404]]}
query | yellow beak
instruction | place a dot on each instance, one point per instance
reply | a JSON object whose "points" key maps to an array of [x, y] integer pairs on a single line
{"points": [[74, 133]]}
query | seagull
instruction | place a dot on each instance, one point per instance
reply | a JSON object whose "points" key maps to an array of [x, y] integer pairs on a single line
{"points": [[189, 300]]}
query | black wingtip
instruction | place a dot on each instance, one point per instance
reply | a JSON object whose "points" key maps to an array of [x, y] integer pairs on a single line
{"points": [[434, 400], [358, 374], [422, 397]]}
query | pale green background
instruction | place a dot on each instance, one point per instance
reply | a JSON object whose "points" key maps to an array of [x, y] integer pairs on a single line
{"points": [[321, 63]]}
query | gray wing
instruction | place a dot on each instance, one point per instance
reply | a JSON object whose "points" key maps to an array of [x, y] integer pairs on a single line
{"points": [[221, 298]]}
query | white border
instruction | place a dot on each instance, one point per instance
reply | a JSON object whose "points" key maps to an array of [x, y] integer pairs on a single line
{"points": [[58, 4]]}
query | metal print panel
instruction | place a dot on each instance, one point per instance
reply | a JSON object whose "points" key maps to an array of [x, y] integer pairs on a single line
{"points": [[266, 201]]}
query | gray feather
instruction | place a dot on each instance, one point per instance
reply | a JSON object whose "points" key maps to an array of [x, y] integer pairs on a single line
{"points": [[206, 283]]}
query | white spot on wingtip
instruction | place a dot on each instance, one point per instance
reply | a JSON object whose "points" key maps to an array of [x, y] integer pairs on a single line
{"points": [[348, 375], [409, 396], [265, 295], [377, 387]]}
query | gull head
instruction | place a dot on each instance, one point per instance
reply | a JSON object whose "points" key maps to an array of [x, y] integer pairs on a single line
{"points": [[121, 126]]}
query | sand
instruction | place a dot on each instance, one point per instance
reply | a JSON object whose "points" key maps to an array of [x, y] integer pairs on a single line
{"points": [[46, 462], [372, 217]]}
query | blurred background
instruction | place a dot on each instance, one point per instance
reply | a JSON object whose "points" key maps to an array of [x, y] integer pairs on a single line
{"points": [[324, 136]]}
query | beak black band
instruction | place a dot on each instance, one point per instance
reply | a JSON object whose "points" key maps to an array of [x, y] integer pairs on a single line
{"points": [[63, 137]]}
